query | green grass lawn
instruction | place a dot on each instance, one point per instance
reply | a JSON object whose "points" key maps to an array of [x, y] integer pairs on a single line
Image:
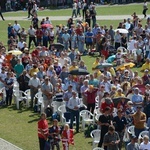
{"points": [[20, 126], [101, 10]]}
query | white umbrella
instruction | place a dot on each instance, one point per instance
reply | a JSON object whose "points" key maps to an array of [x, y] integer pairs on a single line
{"points": [[15, 52], [124, 31]]}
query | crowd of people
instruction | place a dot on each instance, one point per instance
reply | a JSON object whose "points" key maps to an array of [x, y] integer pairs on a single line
{"points": [[47, 68]]}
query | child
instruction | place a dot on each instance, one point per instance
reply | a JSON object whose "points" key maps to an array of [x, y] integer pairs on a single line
{"points": [[139, 56], [54, 135], [67, 137]]}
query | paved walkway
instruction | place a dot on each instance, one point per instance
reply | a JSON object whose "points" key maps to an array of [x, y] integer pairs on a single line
{"points": [[58, 18], [5, 145]]}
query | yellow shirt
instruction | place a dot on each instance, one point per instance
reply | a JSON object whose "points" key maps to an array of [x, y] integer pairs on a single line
{"points": [[73, 68], [32, 71], [117, 95], [112, 71], [137, 117], [145, 66], [96, 70]]}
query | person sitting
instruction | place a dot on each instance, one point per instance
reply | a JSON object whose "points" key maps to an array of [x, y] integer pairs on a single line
{"points": [[54, 135], [146, 65]]}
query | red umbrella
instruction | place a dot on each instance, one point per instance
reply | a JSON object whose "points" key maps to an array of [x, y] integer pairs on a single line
{"points": [[47, 26]]}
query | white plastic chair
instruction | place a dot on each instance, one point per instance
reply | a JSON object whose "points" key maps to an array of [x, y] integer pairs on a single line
{"points": [[20, 96], [67, 120], [98, 148], [61, 110], [95, 135], [40, 100], [28, 94], [131, 130], [141, 135], [87, 117], [123, 50]]}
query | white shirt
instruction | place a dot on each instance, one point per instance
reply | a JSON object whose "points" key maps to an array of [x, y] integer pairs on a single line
{"points": [[73, 102], [16, 27], [34, 82], [20, 45], [145, 146]]}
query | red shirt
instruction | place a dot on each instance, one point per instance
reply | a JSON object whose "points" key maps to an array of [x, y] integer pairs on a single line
{"points": [[91, 96], [43, 125], [39, 34], [104, 105]]}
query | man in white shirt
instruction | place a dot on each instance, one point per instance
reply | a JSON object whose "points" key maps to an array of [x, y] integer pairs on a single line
{"points": [[74, 105], [21, 44], [32, 35], [34, 84], [17, 28], [145, 145]]}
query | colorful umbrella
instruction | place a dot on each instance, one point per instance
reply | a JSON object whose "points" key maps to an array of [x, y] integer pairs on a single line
{"points": [[122, 67], [103, 65], [47, 26]]}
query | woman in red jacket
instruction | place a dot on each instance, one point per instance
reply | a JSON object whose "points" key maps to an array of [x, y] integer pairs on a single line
{"points": [[42, 131]]}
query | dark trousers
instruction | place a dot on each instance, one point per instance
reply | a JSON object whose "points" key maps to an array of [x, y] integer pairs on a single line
{"points": [[29, 13], [91, 107], [117, 45], [138, 131], [42, 143], [144, 12], [74, 113], [103, 132], [2, 16], [33, 92], [9, 96], [32, 39]]}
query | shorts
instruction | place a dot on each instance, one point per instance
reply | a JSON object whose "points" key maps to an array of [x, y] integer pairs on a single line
{"points": [[89, 43]]}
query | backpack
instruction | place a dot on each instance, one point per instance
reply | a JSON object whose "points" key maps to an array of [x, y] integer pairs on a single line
{"points": [[89, 129], [49, 112], [56, 116]]}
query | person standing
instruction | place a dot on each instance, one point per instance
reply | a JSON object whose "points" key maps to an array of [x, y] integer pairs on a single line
{"points": [[93, 15], [42, 131], [145, 8], [1, 14], [111, 139], [18, 68], [9, 82], [74, 105], [139, 119], [79, 8], [104, 121], [34, 84], [47, 90], [32, 35], [74, 10]]}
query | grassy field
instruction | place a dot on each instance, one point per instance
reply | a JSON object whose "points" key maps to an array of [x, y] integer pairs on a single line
{"points": [[101, 10], [20, 126]]}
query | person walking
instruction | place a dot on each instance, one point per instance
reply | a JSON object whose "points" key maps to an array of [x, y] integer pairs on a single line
{"points": [[42, 131], [74, 9], [30, 6], [145, 8], [1, 14]]}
